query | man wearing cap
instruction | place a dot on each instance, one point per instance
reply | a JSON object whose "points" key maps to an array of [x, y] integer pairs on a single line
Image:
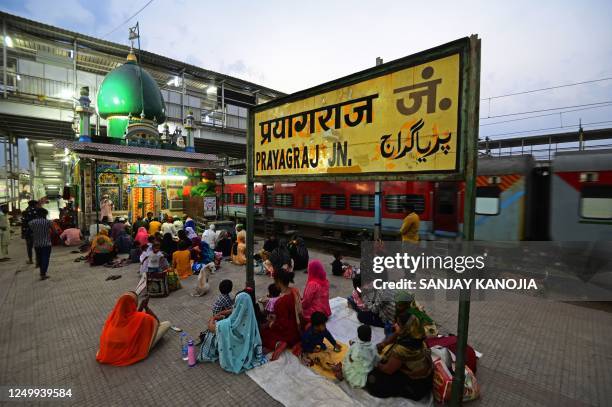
{"points": [[5, 232], [106, 207], [117, 228]]}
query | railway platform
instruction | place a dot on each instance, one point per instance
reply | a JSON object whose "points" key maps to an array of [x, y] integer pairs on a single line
{"points": [[535, 352]]}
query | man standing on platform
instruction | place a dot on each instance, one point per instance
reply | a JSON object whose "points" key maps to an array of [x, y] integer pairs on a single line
{"points": [[41, 237], [26, 233], [410, 226], [5, 233]]}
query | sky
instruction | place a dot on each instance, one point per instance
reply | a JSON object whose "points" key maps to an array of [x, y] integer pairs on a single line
{"points": [[292, 45]]}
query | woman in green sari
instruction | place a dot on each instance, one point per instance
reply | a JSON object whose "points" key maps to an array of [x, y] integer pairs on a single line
{"points": [[406, 368]]}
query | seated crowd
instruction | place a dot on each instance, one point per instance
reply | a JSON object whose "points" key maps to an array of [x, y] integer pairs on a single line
{"points": [[242, 330]]}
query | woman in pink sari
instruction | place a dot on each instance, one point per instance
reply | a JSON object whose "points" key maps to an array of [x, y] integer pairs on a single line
{"points": [[316, 292], [142, 237]]}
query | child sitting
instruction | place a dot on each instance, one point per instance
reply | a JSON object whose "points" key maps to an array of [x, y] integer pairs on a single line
{"points": [[355, 301], [360, 359], [269, 301], [337, 265], [312, 339], [156, 260], [224, 303]]}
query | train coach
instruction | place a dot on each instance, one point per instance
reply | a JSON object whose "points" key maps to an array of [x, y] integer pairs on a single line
{"points": [[516, 199]]}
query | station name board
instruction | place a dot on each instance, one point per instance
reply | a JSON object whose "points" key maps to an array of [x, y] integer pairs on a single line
{"points": [[402, 121]]}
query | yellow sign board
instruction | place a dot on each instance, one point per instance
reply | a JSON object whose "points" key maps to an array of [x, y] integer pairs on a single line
{"points": [[403, 121]]}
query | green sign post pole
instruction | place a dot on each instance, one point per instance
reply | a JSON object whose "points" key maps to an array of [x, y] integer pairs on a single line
{"points": [[250, 210], [471, 156]]}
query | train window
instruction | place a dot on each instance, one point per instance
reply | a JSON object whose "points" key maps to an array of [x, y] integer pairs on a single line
{"points": [[329, 201], [283, 200], [239, 199], [226, 197], [487, 200], [397, 203], [257, 199], [596, 202], [362, 202], [306, 201]]}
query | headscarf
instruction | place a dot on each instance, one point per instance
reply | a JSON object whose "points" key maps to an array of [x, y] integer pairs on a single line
{"points": [[316, 292], [127, 333], [241, 238], [316, 273], [190, 232], [102, 243], [238, 339], [206, 253], [142, 236]]}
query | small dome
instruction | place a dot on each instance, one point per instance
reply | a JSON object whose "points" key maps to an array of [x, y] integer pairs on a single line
{"points": [[120, 93]]}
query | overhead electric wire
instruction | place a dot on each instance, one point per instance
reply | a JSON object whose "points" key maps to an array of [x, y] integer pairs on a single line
{"points": [[547, 114], [548, 88], [547, 128], [547, 110], [126, 21]]}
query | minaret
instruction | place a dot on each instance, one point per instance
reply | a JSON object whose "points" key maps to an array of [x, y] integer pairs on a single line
{"points": [[190, 147], [84, 110]]}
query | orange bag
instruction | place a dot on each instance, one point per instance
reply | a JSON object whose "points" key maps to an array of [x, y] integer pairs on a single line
{"points": [[443, 381]]}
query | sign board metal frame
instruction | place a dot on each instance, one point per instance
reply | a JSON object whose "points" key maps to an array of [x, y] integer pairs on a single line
{"points": [[469, 95]]}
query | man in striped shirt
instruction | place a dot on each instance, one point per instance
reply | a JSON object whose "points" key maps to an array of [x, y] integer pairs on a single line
{"points": [[41, 237]]}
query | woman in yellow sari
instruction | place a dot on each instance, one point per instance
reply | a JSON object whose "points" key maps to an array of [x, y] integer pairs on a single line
{"points": [[102, 249], [239, 256]]}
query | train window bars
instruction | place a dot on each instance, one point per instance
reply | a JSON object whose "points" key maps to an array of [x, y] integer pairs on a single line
{"points": [[331, 201], [397, 203], [488, 200], [239, 198], [362, 202], [596, 202]]}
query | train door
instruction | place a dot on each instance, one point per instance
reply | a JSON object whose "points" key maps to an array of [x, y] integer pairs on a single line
{"points": [[538, 205], [446, 211]]}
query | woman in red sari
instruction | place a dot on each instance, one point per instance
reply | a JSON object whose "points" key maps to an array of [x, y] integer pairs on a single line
{"points": [[283, 329], [129, 332]]}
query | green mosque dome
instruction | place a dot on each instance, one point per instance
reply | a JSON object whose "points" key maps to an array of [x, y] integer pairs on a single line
{"points": [[121, 95]]}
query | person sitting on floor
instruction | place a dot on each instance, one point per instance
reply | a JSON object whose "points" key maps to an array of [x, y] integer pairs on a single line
{"points": [[406, 368], [299, 253], [129, 332], [337, 264], [95, 228], [234, 339], [283, 329], [102, 249], [168, 227], [182, 237], [139, 223], [181, 260], [178, 224], [209, 236], [239, 256], [224, 244], [360, 359], [168, 246], [142, 236], [269, 301], [355, 301], [312, 339], [189, 223], [124, 242], [72, 237], [154, 226], [118, 226], [316, 292], [224, 301]]}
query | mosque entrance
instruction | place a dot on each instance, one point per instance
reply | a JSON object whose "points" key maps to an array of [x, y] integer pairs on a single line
{"points": [[144, 200]]}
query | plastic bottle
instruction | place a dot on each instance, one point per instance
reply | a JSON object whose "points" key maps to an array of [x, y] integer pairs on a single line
{"points": [[184, 345], [388, 329], [191, 353]]}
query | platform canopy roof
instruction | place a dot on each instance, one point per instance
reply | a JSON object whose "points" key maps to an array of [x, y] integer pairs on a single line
{"points": [[142, 155]]}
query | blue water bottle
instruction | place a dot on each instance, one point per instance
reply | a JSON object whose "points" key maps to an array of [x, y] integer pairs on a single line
{"points": [[388, 329], [184, 348]]}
